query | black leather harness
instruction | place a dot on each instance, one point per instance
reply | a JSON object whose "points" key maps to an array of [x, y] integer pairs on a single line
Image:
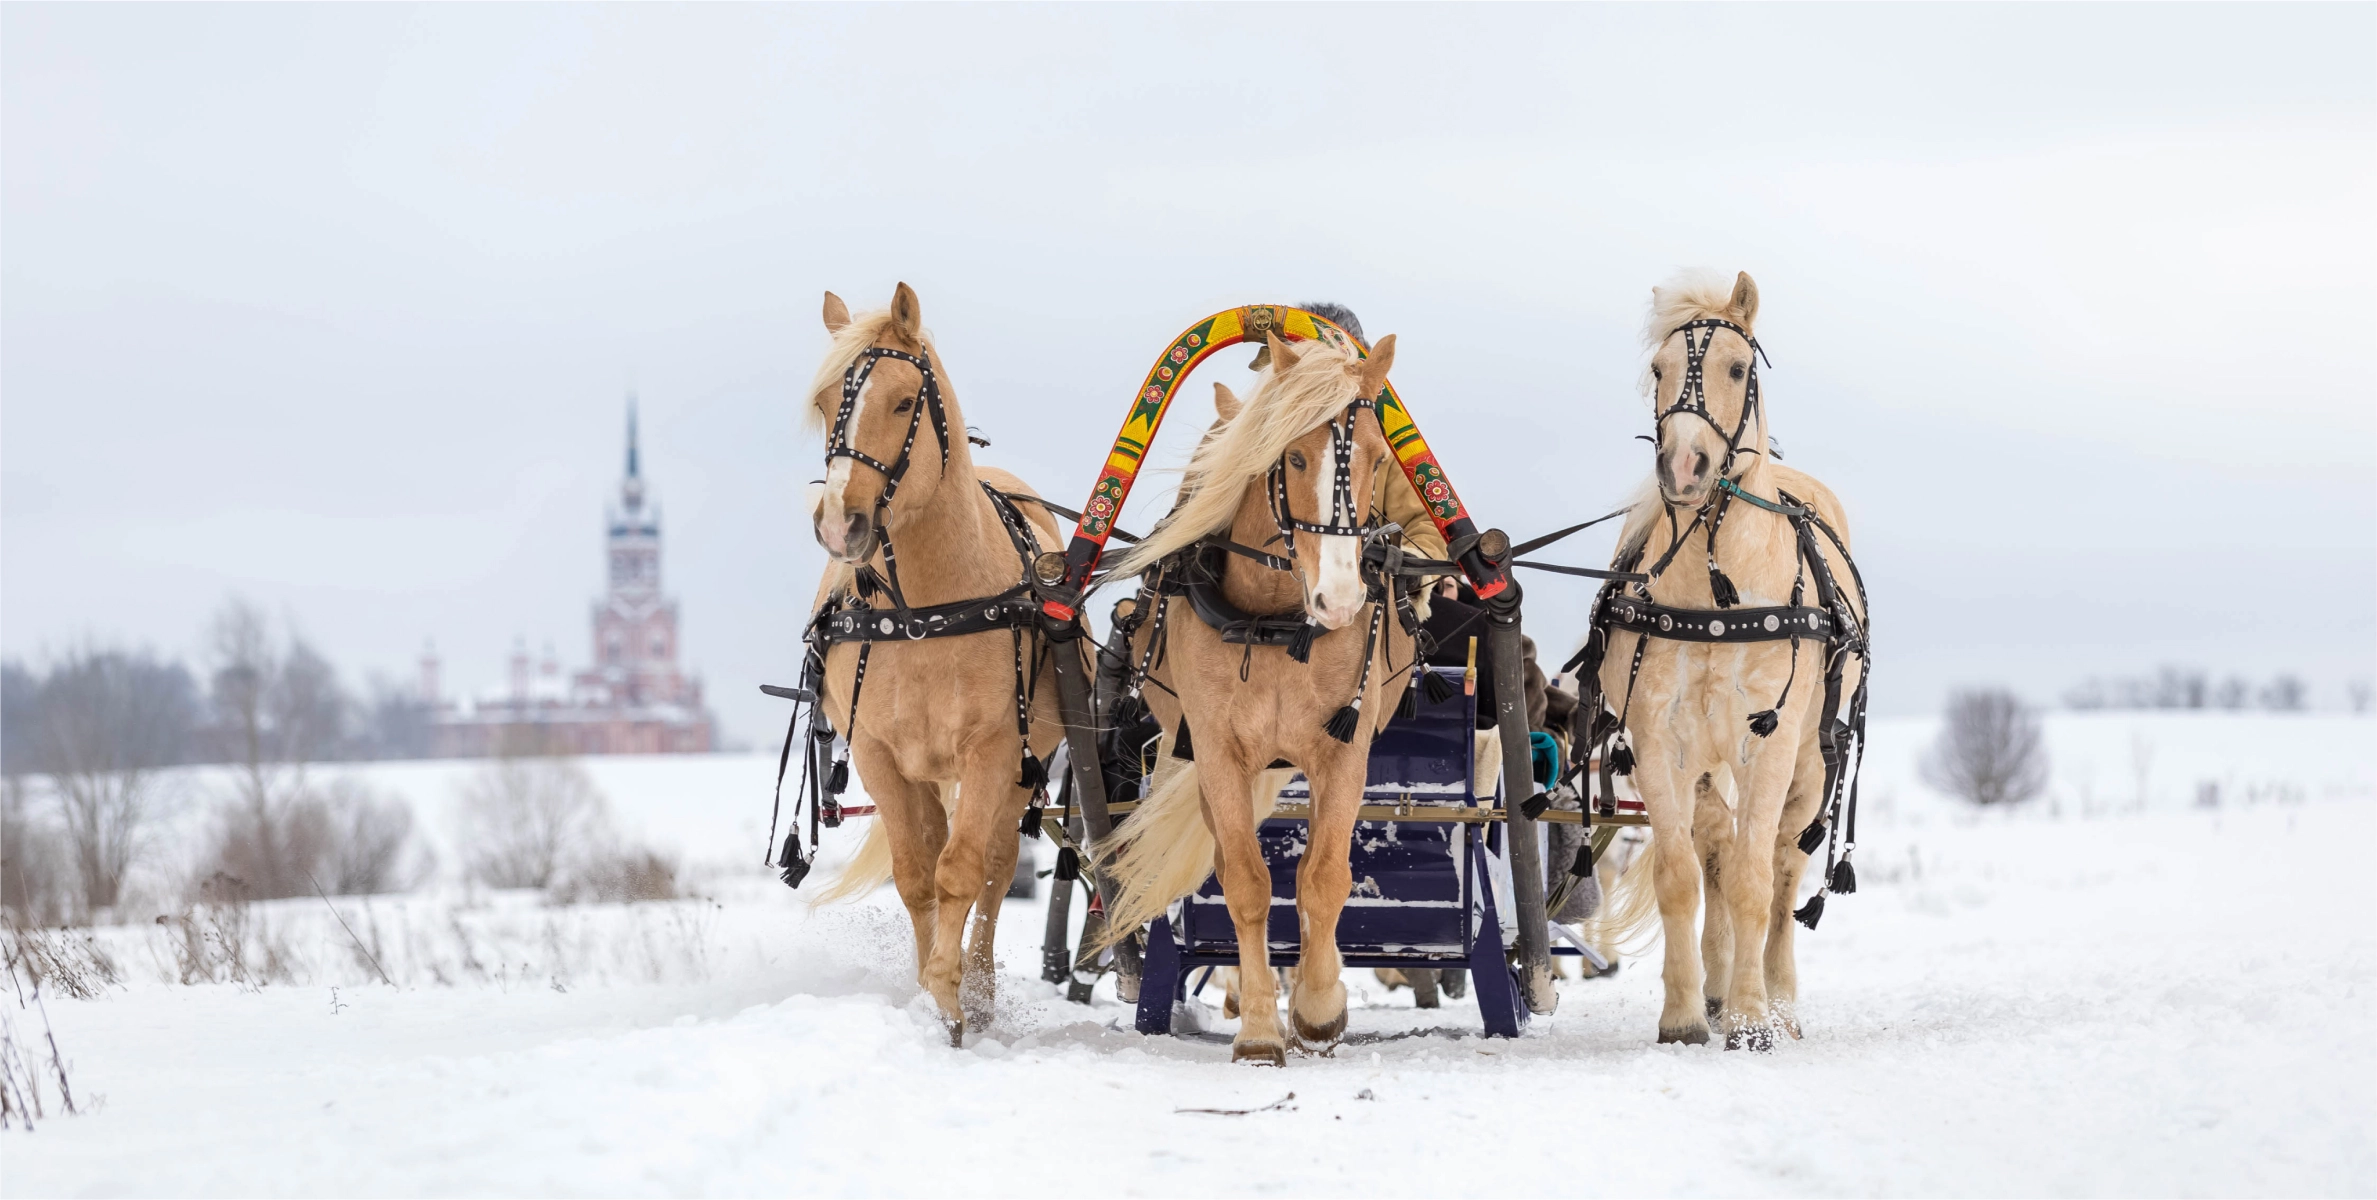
{"points": [[1625, 605]]}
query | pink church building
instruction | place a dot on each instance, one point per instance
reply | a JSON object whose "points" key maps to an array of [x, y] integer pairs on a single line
{"points": [[635, 699]]}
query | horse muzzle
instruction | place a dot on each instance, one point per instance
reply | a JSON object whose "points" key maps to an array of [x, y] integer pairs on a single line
{"points": [[846, 537]]}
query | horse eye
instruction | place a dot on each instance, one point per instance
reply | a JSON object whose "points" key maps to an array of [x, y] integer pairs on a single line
{"points": [[1656, 373], [910, 402], [1737, 371], [1296, 459]]}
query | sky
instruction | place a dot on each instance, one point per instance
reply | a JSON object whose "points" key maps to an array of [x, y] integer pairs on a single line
{"points": [[337, 308]]}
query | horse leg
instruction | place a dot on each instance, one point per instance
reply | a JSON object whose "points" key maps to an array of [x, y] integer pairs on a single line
{"points": [[1712, 837], [1749, 892], [986, 790], [1782, 962], [1222, 783], [1324, 881], [979, 989], [917, 826], [1675, 878]]}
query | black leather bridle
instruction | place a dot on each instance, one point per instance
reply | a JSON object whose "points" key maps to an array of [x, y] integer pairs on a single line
{"points": [[1692, 397], [837, 443], [1344, 512]]}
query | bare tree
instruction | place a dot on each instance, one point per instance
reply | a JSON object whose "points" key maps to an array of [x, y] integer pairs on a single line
{"points": [[371, 848], [2358, 693], [2286, 693], [109, 721], [20, 719], [528, 819], [34, 863], [278, 708], [1990, 751], [397, 723]]}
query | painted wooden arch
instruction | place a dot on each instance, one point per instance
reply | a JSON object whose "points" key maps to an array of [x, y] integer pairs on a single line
{"points": [[1228, 328]]}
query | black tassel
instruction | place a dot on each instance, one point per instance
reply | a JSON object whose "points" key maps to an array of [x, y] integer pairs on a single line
{"points": [[1127, 712], [1812, 911], [1763, 722], [1407, 705], [1621, 759], [1844, 878], [1342, 725], [1439, 688], [1030, 825], [869, 587], [1300, 646], [1068, 865], [1181, 749], [1034, 774], [795, 865], [1811, 837], [837, 781], [1582, 867], [1722, 588], [1537, 805]]}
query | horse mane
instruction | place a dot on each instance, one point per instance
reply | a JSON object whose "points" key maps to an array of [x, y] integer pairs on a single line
{"points": [[1280, 409], [864, 330]]}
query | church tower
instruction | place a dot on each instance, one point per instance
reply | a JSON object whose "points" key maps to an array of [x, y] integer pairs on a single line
{"points": [[635, 625], [634, 699]]}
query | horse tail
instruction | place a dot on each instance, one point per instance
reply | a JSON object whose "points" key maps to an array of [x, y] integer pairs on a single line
{"points": [[865, 872], [1165, 850], [1630, 912]]}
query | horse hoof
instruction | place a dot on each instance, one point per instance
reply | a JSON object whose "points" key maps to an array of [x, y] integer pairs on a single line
{"points": [[1750, 1037], [1262, 1052], [1317, 1035], [957, 1032], [1690, 1035]]}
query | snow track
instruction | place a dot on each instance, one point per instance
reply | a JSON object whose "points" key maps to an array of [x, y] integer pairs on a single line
{"points": [[2158, 1002]]}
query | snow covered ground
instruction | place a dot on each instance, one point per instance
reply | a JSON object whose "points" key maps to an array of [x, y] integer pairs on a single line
{"points": [[2121, 989]]}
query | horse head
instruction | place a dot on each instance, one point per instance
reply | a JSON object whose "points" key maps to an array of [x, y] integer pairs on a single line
{"points": [[1704, 386], [1289, 471], [885, 407]]}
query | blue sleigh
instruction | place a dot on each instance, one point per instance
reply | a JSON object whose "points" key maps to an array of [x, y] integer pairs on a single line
{"points": [[1431, 886]]}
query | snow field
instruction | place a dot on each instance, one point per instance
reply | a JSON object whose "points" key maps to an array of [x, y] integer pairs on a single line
{"points": [[2165, 1001]]}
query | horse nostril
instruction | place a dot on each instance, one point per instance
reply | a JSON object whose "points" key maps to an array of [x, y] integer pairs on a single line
{"points": [[1699, 464]]}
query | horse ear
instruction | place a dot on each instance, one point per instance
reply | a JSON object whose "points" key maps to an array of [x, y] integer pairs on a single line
{"points": [[1375, 367], [837, 314], [1283, 354], [1225, 401], [907, 313], [1745, 300]]}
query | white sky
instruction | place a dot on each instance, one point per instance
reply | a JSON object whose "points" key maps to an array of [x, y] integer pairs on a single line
{"points": [[336, 306]]}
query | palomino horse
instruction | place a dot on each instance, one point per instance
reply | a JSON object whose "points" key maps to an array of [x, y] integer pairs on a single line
{"points": [[1729, 737], [937, 725], [1306, 440]]}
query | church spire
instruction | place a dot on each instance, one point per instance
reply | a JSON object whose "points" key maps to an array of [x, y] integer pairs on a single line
{"points": [[631, 436], [631, 488]]}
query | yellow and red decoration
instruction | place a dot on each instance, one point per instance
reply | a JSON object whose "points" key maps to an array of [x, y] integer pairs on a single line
{"points": [[1228, 328]]}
